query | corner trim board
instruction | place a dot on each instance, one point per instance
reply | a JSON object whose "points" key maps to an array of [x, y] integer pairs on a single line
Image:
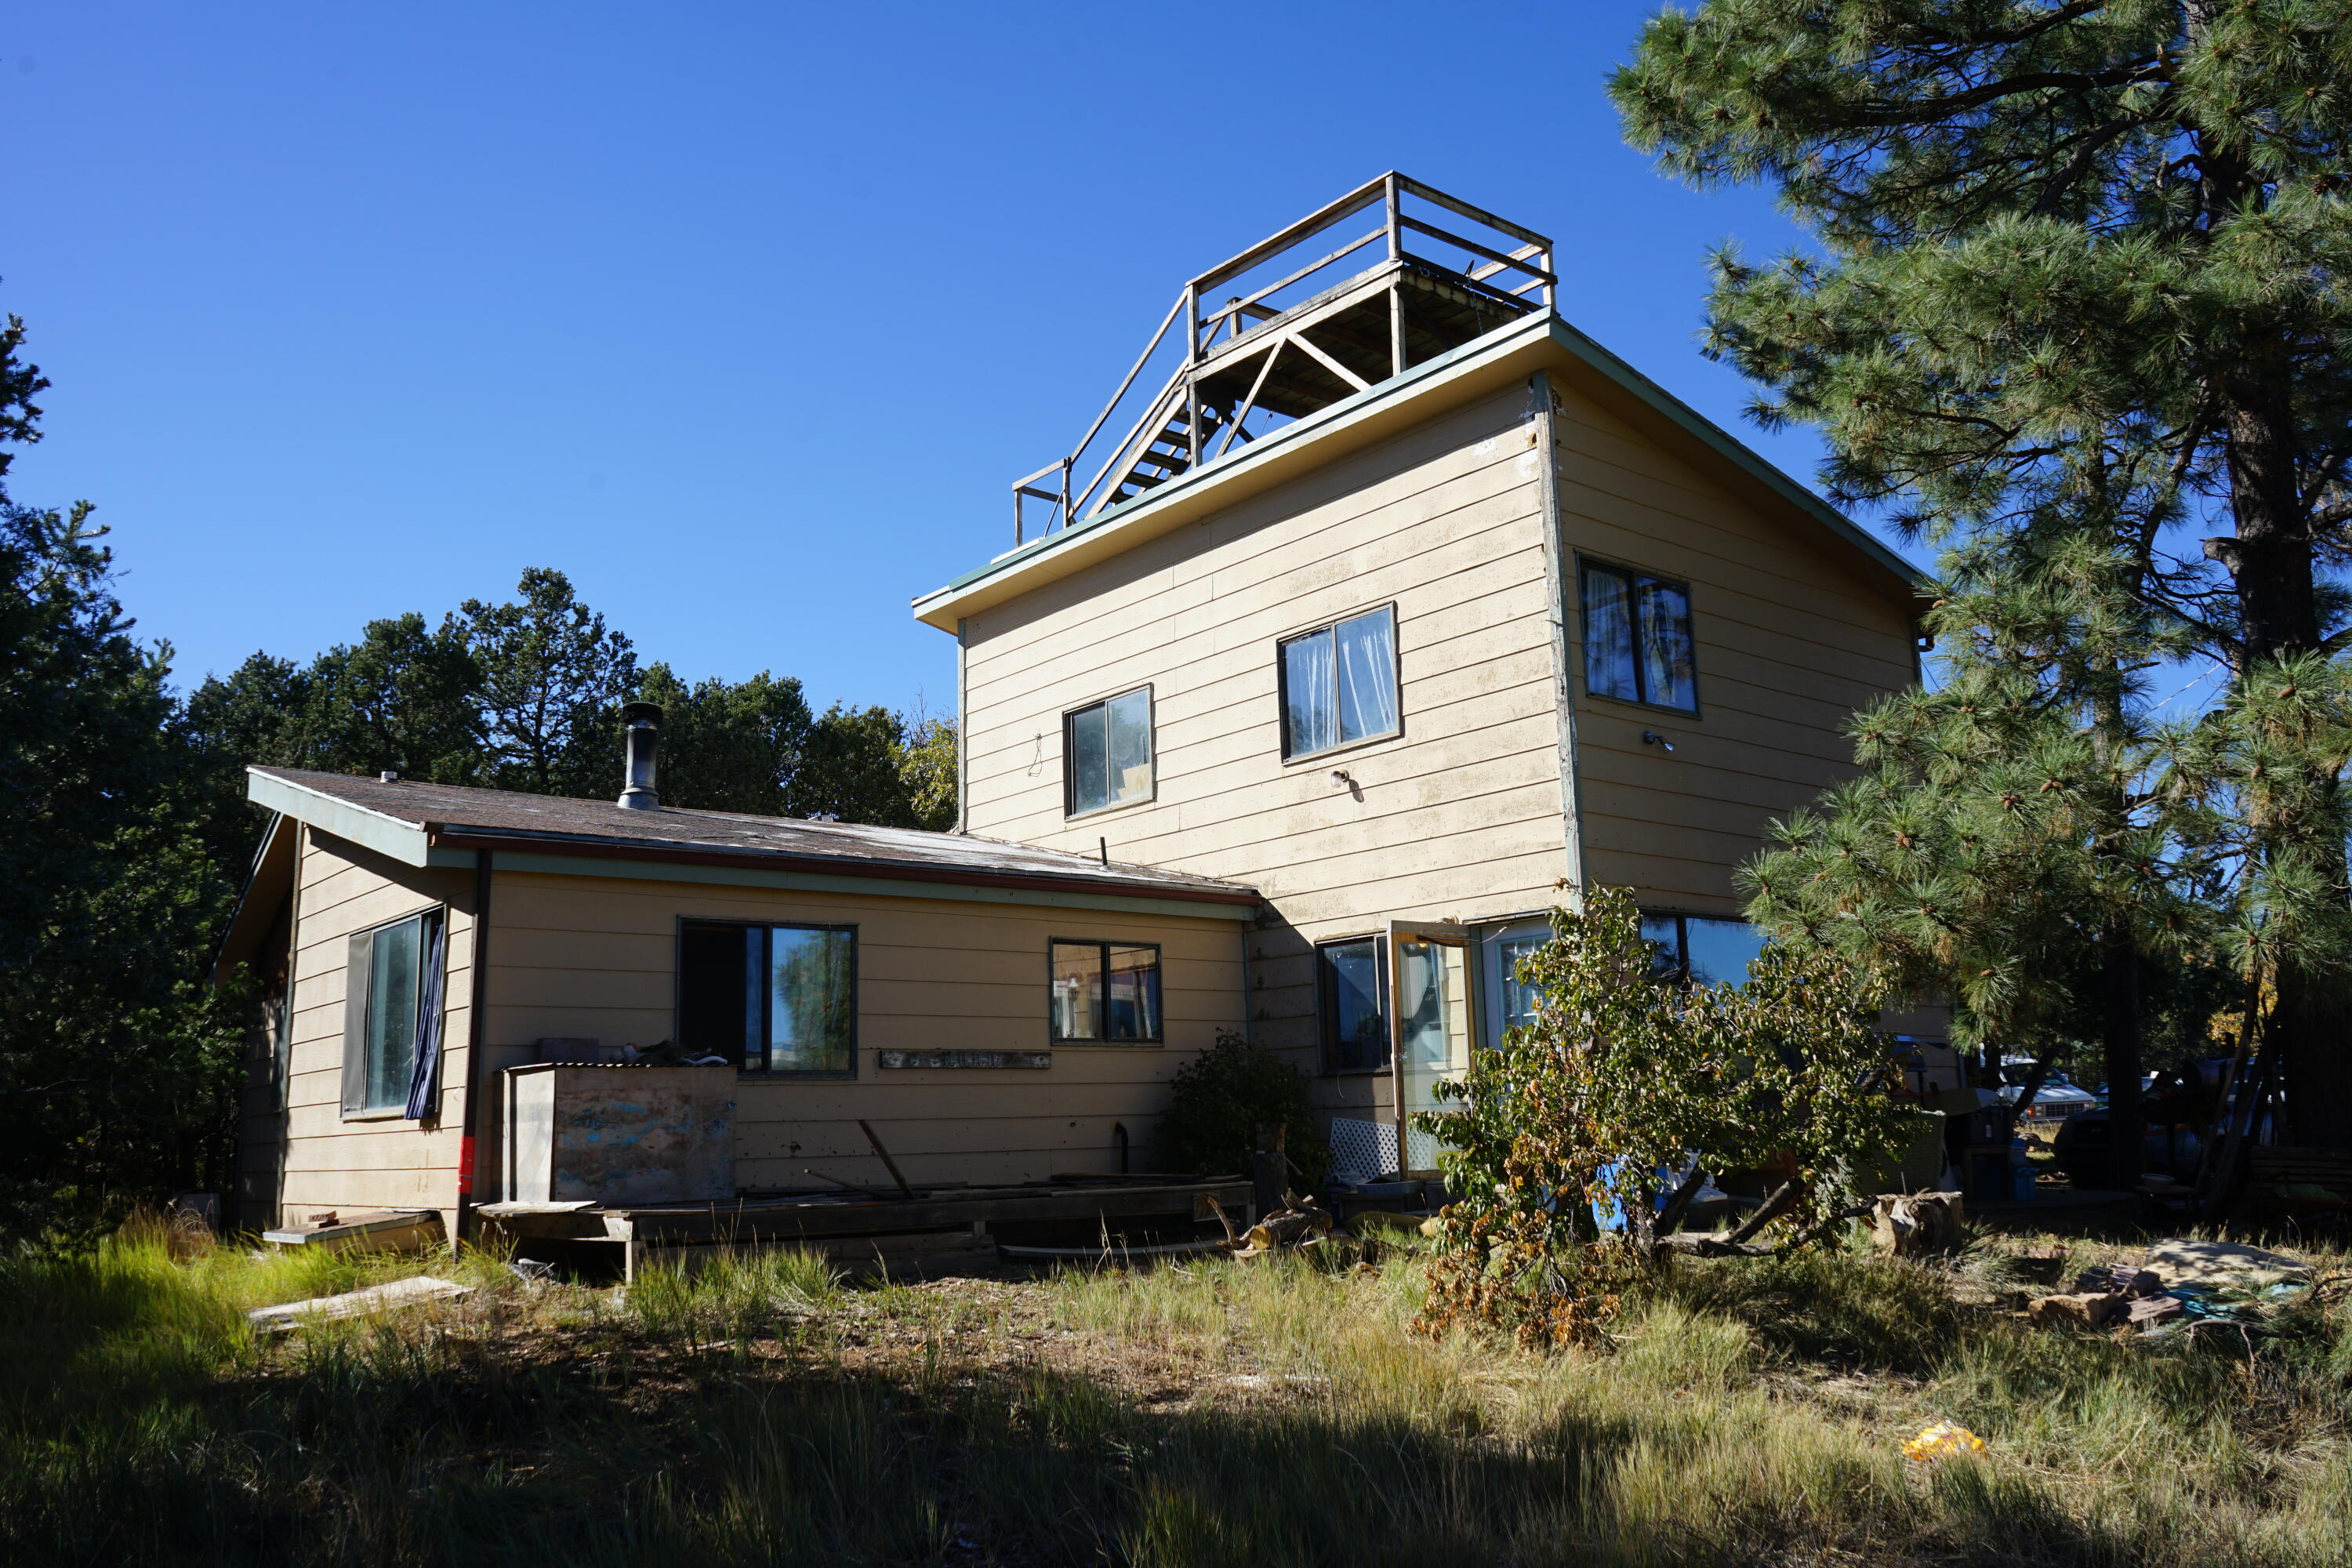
{"points": [[1563, 661]]}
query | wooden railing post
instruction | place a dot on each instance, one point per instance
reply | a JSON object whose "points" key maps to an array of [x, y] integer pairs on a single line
{"points": [[1191, 386], [1394, 200]]}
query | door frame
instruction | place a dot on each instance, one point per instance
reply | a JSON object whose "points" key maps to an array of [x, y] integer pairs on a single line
{"points": [[1435, 933]]}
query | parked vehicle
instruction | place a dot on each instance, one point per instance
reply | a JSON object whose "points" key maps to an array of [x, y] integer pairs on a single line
{"points": [[2179, 1106], [2080, 1149], [2058, 1099]]}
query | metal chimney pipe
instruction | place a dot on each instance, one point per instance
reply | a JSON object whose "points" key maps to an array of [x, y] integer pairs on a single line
{"points": [[641, 722]]}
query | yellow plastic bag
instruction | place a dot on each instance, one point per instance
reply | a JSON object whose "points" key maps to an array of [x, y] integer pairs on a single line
{"points": [[1942, 1441]]}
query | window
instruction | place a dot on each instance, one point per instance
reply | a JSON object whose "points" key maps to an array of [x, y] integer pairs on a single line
{"points": [[1637, 639], [777, 999], [391, 1016], [1105, 992], [1692, 949], [1107, 752], [1512, 1004], [1339, 684], [1355, 1010]]}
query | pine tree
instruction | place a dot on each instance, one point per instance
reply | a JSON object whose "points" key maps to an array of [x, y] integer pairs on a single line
{"points": [[2102, 237], [729, 745], [2007, 845], [115, 1056], [554, 677]]}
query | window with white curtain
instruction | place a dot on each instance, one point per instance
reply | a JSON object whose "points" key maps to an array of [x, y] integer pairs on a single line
{"points": [[1339, 684], [1637, 638]]}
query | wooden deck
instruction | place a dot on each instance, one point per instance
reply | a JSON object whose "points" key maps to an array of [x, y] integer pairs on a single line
{"points": [[947, 1222]]}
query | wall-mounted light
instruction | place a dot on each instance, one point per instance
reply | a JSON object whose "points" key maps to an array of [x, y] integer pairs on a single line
{"points": [[1340, 776], [1651, 738]]}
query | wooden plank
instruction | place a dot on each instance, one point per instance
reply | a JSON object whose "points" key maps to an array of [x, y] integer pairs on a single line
{"points": [[1306, 229], [770, 1223], [922, 1256], [1333, 365]]}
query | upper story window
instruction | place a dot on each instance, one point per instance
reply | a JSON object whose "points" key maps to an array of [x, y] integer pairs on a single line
{"points": [[1339, 684], [1104, 993], [1637, 638], [775, 999], [1107, 752]]}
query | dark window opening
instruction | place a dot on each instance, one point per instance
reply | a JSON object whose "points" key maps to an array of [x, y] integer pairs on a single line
{"points": [[1339, 684], [775, 999], [1351, 979], [391, 1012], [1107, 752], [1693, 949], [1637, 639]]}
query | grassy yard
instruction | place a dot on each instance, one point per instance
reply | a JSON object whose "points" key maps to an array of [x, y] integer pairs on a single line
{"points": [[1209, 1414]]}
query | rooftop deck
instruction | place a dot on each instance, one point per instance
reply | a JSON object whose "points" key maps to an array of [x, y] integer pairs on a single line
{"points": [[1299, 327]]}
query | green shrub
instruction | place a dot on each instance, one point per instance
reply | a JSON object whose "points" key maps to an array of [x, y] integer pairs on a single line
{"points": [[1220, 1099]]}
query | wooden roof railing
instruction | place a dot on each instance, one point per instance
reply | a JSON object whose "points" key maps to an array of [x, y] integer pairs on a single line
{"points": [[1307, 327]]}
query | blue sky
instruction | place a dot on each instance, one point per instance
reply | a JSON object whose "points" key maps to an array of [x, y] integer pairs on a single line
{"points": [[744, 316]]}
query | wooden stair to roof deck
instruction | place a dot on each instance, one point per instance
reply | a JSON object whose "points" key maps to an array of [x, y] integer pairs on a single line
{"points": [[1350, 324], [1177, 433]]}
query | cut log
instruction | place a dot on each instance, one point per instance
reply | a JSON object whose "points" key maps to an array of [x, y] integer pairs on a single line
{"points": [[1915, 1224], [2088, 1309]]}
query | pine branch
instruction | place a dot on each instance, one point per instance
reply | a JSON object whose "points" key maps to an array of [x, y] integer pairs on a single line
{"points": [[1888, 114]]}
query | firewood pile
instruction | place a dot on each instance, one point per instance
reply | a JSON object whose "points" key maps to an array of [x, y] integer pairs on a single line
{"points": [[1301, 1224]]}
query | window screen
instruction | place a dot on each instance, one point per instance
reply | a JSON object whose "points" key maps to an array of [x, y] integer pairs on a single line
{"points": [[1339, 684], [1354, 1004], [1637, 639], [777, 999], [1104, 992], [1107, 752]]}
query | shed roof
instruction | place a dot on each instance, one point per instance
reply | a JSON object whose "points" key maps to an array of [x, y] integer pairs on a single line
{"points": [[410, 820]]}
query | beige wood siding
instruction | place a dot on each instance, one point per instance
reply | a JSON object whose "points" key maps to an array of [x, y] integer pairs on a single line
{"points": [[331, 1163], [1461, 818], [595, 957], [1792, 637], [1458, 817]]}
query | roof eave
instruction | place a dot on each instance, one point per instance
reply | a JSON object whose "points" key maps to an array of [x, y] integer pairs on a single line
{"points": [[444, 836]]}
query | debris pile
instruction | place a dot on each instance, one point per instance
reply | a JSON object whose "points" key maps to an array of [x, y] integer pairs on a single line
{"points": [[2180, 1285], [1301, 1224]]}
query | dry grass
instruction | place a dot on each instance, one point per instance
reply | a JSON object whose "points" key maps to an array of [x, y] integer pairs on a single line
{"points": [[1201, 1413]]}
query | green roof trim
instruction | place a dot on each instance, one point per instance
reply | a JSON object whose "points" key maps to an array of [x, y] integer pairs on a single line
{"points": [[1726, 445]]}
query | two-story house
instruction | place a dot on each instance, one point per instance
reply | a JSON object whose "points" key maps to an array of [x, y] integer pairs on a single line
{"points": [[1379, 611], [1408, 604]]}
